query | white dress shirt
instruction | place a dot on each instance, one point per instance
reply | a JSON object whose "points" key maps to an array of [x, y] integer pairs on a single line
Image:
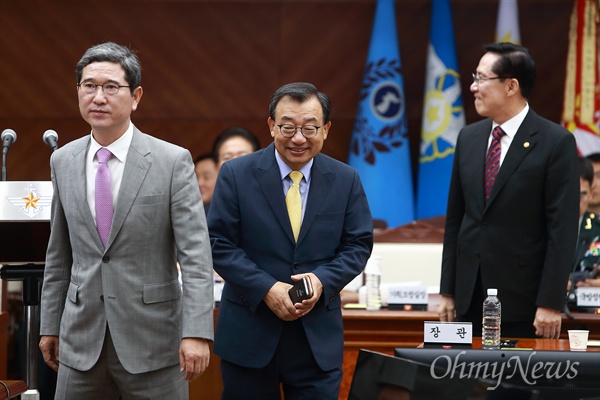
{"points": [[116, 165], [510, 127]]}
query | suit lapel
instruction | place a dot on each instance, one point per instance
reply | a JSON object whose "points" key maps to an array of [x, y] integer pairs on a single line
{"points": [[78, 182], [321, 181], [269, 180], [136, 168], [523, 142]]}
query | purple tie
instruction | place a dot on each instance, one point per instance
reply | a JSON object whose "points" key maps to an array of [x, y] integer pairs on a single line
{"points": [[492, 162], [104, 204]]}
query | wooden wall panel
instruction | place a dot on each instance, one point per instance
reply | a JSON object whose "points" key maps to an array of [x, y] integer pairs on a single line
{"points": [[211, 64]]}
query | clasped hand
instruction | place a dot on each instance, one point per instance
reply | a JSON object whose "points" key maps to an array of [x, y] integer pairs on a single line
{"points": [[278, 298]]}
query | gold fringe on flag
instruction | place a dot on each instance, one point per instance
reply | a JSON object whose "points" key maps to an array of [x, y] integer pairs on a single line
{"points": [[581, 107]]}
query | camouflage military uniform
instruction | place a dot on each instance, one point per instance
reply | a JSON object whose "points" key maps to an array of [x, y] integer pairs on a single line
{"points": [[588, 244]]}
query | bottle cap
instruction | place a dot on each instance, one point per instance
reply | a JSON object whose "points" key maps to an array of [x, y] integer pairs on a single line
{"points": [[492, 292], [373, 265]]}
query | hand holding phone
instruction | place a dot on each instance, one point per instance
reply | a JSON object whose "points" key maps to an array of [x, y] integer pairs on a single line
{"points": [[301, 290]]}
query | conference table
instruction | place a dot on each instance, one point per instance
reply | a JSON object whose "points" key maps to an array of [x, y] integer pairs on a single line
{"points": [[534, 369], [541, 344], [384, 330]]}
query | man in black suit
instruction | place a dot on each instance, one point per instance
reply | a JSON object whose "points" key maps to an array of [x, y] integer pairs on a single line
{"points": [[514, 231]]}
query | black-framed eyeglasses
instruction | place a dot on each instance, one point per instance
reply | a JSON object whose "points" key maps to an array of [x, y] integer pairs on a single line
{"points": [[109, 88], [477, 78], [308, 131]]}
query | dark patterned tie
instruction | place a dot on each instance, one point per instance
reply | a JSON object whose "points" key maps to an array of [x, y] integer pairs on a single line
{"points": [[492, 161], [104, 203]]}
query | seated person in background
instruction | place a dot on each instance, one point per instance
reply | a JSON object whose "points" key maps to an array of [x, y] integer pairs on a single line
{"points": [[206, 169], [587, 254], [231, 143], [205, 166], [234, 142], [594, 203]]}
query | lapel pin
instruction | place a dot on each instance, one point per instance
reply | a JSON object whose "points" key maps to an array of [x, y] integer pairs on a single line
{"points": [[526, 145]]}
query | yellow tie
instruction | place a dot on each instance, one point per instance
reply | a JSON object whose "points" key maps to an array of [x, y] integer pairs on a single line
{"points": [[294, 203]]}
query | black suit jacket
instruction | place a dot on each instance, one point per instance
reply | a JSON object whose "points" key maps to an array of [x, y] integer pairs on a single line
{"points": [[522, 242]]}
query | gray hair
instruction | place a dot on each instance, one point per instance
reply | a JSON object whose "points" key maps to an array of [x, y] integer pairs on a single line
{"points": [[113, 52]]}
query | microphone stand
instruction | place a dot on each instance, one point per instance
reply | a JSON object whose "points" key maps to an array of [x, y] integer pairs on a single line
{"points": [[31, 275], [4, 164]]}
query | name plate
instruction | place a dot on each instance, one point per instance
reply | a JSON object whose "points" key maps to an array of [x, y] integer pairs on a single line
{"points": [[407, 298], [448, 333], [407, 295], [588, 296]]}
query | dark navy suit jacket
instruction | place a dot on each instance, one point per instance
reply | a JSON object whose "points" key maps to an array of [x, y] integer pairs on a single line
{"points": [[253, 247]]}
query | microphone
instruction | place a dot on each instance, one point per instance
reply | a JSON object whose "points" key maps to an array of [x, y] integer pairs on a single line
{"points": [[8, 137], [51, 139]]}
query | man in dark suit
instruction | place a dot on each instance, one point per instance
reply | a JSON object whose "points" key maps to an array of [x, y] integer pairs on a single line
{"points": [[113, 313], [263, 338], [521, 240]]}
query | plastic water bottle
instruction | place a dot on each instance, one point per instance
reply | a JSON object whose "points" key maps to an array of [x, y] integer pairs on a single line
{"points": [[373, 278], [492, 313]]}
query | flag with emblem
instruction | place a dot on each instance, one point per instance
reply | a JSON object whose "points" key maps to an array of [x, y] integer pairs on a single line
{"points": [[379, 148], [443, 115], [581, 107], [507, 22]]}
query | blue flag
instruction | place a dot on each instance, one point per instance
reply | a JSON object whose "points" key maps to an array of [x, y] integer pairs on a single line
{"points": [[379, 149], [443, 115]]}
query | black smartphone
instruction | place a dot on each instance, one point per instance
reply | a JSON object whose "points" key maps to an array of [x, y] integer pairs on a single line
{"points": [[301, 290]]}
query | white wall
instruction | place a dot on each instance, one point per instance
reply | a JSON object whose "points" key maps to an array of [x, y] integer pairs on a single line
{"points": [[410, 262]]}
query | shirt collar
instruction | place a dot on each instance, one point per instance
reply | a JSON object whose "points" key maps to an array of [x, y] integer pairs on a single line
{"points": [[285, 170], [511, 126], [118, 148]]}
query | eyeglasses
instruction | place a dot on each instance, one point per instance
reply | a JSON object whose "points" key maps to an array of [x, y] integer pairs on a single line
{"points": [[109, 88], [289, 130], [477, 78]]}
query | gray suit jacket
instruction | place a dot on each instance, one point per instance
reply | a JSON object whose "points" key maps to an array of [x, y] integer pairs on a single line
{"points": [[132, 285]]}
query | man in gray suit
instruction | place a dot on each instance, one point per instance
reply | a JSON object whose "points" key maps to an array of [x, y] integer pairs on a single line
{"points": [[113, 314]]}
